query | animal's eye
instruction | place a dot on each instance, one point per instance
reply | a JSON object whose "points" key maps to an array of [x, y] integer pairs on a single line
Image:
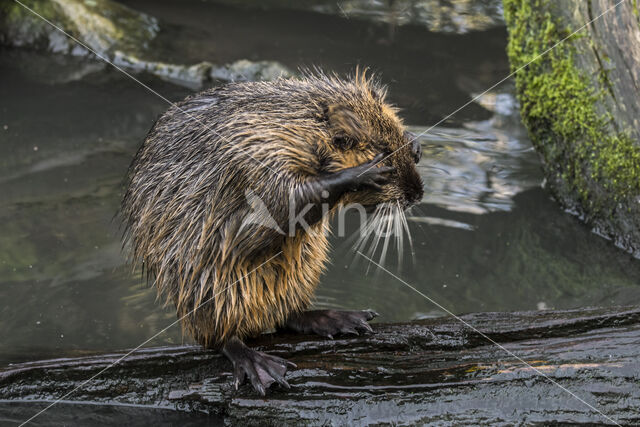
{"points": [[343, 142]]}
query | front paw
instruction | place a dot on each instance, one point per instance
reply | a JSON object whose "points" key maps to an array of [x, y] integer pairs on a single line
{"points": [[328, 323], [370, 175]]}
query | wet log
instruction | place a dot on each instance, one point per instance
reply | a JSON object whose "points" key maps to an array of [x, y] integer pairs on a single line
{"points": [[577, 71], [428, 371]]}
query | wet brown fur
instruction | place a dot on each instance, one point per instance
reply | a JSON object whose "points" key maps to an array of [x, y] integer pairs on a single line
{"points": [[186, 194]]}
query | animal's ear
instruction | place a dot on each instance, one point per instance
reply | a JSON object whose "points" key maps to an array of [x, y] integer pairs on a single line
{"points": [[347, 129]]}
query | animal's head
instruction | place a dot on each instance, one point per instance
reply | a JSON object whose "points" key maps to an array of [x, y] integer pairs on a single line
{"points": [[361, 125]]}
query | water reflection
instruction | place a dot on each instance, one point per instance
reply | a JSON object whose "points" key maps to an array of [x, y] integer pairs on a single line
{"points": [[479, 168]]}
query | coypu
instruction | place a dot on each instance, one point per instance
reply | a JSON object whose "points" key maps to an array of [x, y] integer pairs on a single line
{"points": [[314, 143]]}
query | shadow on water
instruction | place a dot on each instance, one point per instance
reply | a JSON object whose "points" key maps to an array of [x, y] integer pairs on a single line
{"points": [[485, 237]]}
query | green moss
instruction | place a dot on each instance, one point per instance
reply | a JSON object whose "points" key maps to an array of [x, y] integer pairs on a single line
{"points": [[581, 151], [21, 27], [104, 25]]}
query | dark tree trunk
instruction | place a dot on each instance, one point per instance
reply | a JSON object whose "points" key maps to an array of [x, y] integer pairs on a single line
{"points": [[580, 101], [436, 370]]}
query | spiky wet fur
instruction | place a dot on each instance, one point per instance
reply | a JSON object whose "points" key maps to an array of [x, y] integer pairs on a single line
{"points": [[185, 199]]}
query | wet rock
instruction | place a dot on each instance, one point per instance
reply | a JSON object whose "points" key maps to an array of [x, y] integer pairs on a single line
{"points": [[443, 16], [104, 26], [244, 70], [116, 33], [193, 76], [197, 75]]}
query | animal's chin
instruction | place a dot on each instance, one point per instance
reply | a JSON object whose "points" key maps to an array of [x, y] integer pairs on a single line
{"points": [[405, 204]]}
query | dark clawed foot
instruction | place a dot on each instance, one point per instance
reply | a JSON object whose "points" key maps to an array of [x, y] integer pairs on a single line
{"points": [[328, 323], [372, 176], [369, 175], [262, 369]]}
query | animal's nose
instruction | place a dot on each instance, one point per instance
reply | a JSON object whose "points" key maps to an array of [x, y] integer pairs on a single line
{"points": [[416, 148]]}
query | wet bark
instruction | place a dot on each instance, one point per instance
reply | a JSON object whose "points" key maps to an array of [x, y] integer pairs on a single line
{"points": [[435, 370]]}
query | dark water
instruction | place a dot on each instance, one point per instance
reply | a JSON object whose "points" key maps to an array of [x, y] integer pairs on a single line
{"points": [[486, 236], [74, 414]]}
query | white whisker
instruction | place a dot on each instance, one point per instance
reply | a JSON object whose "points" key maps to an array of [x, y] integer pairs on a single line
{"points": [[420, 213], [367, 229], [376, 231], [387, 231], [405, 226], [397, 230], [364, 231]]}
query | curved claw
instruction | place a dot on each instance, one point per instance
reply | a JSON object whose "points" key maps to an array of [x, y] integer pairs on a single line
{"points": [[374, 186], [262, 369], [375, 177], [376, 159], [386, 169], [370, 314], [278, 370], [364, 325], [239, 376]]}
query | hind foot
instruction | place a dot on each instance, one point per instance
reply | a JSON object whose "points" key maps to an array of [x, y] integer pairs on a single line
{"points": [[261, 368], [328, 323]]}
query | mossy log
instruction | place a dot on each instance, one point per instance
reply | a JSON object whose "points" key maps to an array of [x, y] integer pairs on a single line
{"points": [[580, 102], [429, 371]]}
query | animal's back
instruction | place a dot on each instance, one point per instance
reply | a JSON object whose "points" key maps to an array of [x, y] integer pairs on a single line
{"points": [[186, 207]]}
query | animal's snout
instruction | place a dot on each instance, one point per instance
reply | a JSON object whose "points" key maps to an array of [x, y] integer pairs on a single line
{"points": [[416, 148]]}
